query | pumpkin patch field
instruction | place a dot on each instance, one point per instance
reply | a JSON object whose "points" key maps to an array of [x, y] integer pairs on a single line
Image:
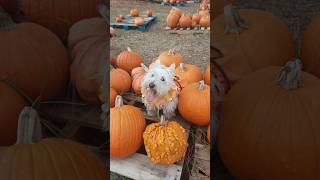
{"points": [[146, 145], [53, 98], [265, 57]]}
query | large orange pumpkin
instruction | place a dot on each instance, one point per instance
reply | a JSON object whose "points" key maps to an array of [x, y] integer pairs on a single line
{"points": [[127, 124], [170, 57], [11, 104], [194, 103], [127, 60], [205, 21], [89, 58], [207, 75], [134, 12], [310, 54], [37, 69], [187, 74], [113, 95], [120, 80], [176, 11], [172, 20], [79, 164], [59, 15], [275, 130], [240, 41]]}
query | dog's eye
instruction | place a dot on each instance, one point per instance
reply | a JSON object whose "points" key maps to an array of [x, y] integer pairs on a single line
{"points": [[162, 79], [152, 75]]}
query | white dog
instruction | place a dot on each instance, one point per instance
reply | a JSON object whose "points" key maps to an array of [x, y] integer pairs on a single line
{"points": [[159, 90]]}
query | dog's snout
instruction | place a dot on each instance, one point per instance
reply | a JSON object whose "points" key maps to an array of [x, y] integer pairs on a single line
{"points": [[152, 85]]}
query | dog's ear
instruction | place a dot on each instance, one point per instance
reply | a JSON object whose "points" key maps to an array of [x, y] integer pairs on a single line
{"points": [[146, 69], [172, 68]]}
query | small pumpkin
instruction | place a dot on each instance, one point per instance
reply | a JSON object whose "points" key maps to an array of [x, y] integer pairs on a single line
{"points": [[281, 116], [176, 11], [205, 21], [149, 13], [235, 41], [207, 75], [120, 80], [134, 12], [194, 103], [165, 142], [118, 19], [139, 20], [187, 74], [203, 13], [113, 95], [127, 124], [196, 17], [121, 16], [172, 1], [137, 75], [185, 21], [127, 60], [172, 20], [170, 57]]}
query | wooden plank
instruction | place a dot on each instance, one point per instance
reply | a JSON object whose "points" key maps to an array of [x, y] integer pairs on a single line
{"points": [[138, 166], [202, 151]]}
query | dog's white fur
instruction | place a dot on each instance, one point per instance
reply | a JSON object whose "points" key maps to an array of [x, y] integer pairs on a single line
{"points": [[163, 79]]}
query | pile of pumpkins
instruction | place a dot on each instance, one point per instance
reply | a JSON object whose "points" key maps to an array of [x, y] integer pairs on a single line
{"points": [[173, 1], [270, 119], [175, 19], [35, 67], [205, 5], [128, 73], [134, 12]]}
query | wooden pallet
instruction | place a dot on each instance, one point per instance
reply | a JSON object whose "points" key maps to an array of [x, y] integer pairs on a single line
{"points": [[138, 166], [128, 23], [188, 29], [201, 162], [181, 4]]}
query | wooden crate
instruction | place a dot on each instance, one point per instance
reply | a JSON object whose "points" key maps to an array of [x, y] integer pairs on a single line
{"points": [[201, 161], [138, 166]]}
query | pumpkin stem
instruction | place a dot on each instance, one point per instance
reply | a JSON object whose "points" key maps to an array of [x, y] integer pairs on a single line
{"points": [[6, 22], [201, 85], [29, 127], [182, 67], [289, 76], [233, 21], [144, 67], [119, 101], [129, 49], [163, 120], [171, 51]]}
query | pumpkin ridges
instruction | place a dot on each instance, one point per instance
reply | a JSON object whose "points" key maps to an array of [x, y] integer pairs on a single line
{"points": [[169, 57], [128, 60], [120, 76], [188, 73]]}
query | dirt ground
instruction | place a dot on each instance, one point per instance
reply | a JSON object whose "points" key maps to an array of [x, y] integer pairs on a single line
{"points": [[149, 44]]}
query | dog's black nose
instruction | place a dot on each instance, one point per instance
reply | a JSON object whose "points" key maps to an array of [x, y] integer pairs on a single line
{"points": [[152, 85]]}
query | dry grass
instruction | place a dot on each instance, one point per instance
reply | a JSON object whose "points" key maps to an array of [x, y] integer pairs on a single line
{"points": [[194, 47]]}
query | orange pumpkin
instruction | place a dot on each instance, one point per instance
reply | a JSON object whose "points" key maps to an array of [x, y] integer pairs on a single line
{"points": [[89, 64], [194, 103], [35, 68], [139, 21], [203, 6], [113, 95], [170, 57], [121, 16], [196, 17], [310, 55], [207, 75], [11, 104], [119, 19], [127, 124], [134, 12], [281, 116], [128, 60], [59, 15], [173, 1], [205, 21], [172, 20], [187, 74], [235, 41], [176, 11], [149, 12], [137, 75], [120, 80], [203, 13], [185, 21]]}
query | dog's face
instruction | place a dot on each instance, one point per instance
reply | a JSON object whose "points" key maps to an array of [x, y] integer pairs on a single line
{"points": [[158, 80]]}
